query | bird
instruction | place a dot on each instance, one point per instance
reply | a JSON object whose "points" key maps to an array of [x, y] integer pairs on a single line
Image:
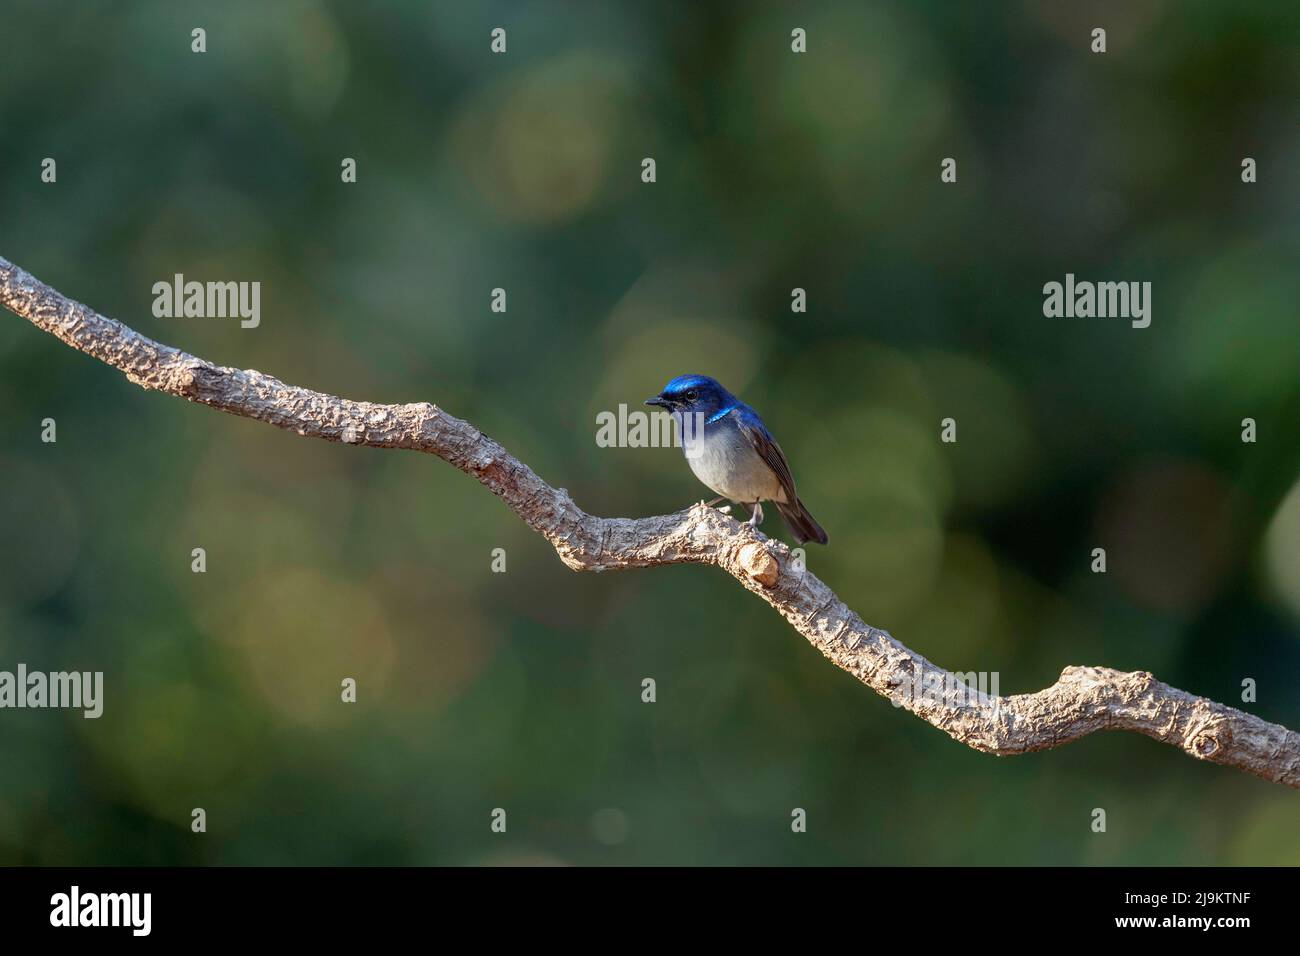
{"points": [[732, 452]]}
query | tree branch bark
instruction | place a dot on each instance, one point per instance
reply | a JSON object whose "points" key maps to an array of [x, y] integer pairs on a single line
{"points": [[1083, 700]]}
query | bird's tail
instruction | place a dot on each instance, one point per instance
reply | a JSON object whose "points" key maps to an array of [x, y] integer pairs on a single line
{"points": [[802, 525]]}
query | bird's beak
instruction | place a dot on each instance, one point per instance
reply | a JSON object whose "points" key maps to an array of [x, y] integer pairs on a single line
{"points": [[661, 402]]}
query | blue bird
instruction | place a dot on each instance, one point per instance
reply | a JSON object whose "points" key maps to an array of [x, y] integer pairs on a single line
{"points": [[730, 450]]}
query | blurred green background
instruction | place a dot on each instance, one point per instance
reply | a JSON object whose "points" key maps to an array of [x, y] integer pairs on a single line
{"points": [[522, 690]]}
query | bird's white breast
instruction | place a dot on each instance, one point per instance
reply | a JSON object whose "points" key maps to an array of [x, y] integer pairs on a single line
{"points": [[725, 461]]}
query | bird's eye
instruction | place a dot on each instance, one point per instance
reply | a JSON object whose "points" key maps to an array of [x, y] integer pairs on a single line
{"points": [[691, 395]]}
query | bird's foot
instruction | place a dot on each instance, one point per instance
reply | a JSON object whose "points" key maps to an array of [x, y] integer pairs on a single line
{"points": [[756, 518]]}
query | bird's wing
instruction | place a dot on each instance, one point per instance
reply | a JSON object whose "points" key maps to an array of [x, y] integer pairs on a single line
{"points": [[761, 439]]}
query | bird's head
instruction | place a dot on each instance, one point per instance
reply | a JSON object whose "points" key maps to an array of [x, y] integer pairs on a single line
{"points": [[688, 394]]}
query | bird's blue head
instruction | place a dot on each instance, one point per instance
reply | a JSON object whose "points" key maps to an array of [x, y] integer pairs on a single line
{"points": [[689, 394]]}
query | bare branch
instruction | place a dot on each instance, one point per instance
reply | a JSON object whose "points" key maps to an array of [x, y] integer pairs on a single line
{"points": [[1083, 700]]}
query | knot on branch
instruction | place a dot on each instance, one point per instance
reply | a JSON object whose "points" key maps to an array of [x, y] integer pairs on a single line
{"points": [[185, 377], [759, 564], [1211, 739]]}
